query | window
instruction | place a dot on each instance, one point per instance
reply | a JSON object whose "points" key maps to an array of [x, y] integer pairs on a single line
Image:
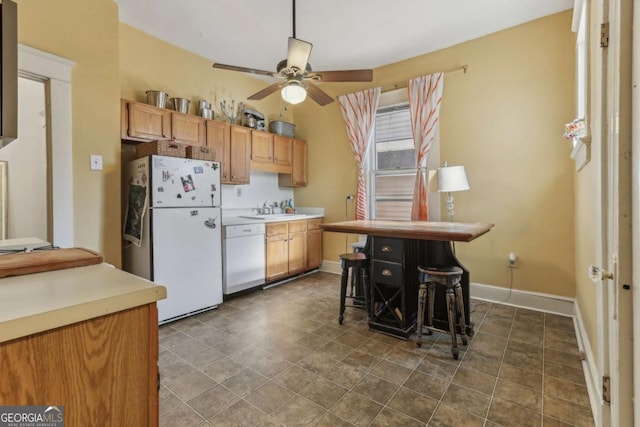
{"points": [[392, 162]]}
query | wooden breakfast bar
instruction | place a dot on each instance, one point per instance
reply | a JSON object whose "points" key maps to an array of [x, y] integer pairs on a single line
{"points": [[395, 250]]}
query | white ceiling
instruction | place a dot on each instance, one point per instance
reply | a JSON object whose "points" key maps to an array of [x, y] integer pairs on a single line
{"points": [[346, 34]]}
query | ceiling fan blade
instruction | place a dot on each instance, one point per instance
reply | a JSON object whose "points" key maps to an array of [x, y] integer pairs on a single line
{"points": [[298, 52], [243, 69], [265, 92], [317, 94], [342, 76]]}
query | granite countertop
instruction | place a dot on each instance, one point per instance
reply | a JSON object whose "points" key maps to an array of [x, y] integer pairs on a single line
{"points": [[39, 302]]}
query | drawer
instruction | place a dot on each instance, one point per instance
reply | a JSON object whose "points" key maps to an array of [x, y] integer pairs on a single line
{"points": [[314, 223], [388, 249], [297, 226], [277, 228], [388, 273]]}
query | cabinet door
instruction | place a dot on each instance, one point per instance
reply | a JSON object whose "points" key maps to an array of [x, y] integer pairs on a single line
{"points": [[314, 248], [297, 252], [282, 150], [240, 154], [277, 254], [219, 139], [147, 122], [261, 146], [299, 164], [188, 129]]}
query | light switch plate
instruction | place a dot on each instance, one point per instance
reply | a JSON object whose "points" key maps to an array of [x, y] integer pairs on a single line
{"points": [[96, 162]]}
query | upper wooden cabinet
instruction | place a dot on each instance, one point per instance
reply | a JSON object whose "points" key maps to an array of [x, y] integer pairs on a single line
{"points": [[231, 146], [261, 146], [188, 128], [143, 122], [270, 153], [298, 175]]}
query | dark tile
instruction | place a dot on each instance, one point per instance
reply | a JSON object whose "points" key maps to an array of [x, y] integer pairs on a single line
{"points": [[560, 344], [473, 360], [562, 335], [351, 339], [295, 378], [525, 377], [168, 400], [269, 397], [532, 350], [510, 414], [213, 401], [437, 368], [562, 358], [181, 415], [240, 413], [222, 369], [362, 360], [390, 418], [526, 336], [312, 341], [323, 392], [474, 380], [413, 404], [316, 363], [566, 390], [345, 375], [564, 372], [489, 346], [405, 358], [298, 412], [523, 396], [375, 347], [332, 420], [553, 422], [375, 389], [446, 416], [391, 372], [523, 360], [491, 329], [356, 409], [464, 399], [426, 384], [554, 321], [567, 411], [269, 366], [203, 358], [191, 385], [244, 382]]}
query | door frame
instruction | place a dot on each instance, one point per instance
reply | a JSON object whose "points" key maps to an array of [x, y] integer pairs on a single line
{"points": [[56, 72], [635, 202]]}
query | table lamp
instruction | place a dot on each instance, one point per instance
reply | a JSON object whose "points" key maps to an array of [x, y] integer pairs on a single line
{"points": [[450, 179]]}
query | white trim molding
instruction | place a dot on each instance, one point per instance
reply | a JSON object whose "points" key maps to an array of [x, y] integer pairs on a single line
{"points": [[592, 377], [57, 72], [547, 303], [581, 152]]}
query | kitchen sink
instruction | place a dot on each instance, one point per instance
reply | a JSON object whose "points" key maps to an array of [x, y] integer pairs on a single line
{"points": [[275, 216]]}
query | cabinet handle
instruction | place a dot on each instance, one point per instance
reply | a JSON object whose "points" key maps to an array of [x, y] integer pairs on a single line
{"points": [[386, 249], [386, 272]]}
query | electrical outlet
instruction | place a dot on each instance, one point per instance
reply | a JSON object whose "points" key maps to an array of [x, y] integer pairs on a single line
{"points": [[96, 162], [238, 191], [512, 260]]}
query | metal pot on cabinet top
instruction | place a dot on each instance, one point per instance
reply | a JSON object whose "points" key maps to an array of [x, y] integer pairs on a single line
{"points": [[181, 105], [157, 98]]}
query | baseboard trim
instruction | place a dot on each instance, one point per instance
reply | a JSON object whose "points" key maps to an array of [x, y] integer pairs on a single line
{"points": [[547, 303], [590, 368], [331, 267]]}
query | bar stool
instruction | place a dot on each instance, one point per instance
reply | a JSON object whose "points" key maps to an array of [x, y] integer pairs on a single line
{"points": [[449, 277], [359, 264]]}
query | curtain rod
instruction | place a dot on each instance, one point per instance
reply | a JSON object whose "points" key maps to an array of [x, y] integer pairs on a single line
{"points": [[404, 84]]}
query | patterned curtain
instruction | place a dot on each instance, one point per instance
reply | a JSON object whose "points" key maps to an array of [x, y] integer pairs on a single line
{"points": [[425, 95], [359, 113]]}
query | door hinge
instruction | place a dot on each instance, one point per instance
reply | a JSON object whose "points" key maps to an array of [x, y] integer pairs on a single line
{"points": [[606, 389], [604, 34]]}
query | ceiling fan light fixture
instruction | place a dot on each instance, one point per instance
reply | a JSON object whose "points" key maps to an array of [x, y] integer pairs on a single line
{"points": [[293, 93]]}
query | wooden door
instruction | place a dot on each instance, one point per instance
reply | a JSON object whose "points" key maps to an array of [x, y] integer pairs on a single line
{"points": [[299, 164], [282, 150], [188, 129], [261, 146], [240, 154], [297, 252], [147, 122], [219, 140], [277, 254], [314, 248]]}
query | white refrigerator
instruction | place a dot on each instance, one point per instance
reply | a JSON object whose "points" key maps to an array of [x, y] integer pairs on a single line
{"points": [[173, 224]]}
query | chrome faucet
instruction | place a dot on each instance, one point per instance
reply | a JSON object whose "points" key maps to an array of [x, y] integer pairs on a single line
{"points": [[266, 210]]}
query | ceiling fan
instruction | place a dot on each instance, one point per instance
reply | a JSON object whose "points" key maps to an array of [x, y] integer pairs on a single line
{"points": [[298, 76]]}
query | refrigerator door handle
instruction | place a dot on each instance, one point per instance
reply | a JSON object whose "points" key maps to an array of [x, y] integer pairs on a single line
{"points": [[210, 223]]}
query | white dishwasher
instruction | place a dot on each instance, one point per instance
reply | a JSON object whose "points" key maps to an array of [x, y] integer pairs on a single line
{"points": [[244, 257]]}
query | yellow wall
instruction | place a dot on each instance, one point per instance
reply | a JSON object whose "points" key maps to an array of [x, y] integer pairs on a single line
{"points": [[149, 63], [86, 32], [503, 121]]}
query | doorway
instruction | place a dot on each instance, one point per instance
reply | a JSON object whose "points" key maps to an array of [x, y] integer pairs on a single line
{"points": [[26, 205]]}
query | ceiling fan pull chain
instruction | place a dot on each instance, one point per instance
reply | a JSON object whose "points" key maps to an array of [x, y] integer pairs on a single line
{"points": [[294, 18]]}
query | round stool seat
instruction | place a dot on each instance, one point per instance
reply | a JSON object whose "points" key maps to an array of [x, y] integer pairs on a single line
{"points": [[353, 257], [442, 271]]}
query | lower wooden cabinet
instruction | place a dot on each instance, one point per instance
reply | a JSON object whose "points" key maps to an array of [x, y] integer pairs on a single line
{"points": [[292, 247], [104, 371]]}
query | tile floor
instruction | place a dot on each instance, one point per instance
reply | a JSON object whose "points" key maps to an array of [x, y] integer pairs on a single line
{"points": [[279, 358]]}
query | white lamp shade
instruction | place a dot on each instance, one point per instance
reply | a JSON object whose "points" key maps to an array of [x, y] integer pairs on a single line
{"points": [[452, 178], [293, 93]]}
